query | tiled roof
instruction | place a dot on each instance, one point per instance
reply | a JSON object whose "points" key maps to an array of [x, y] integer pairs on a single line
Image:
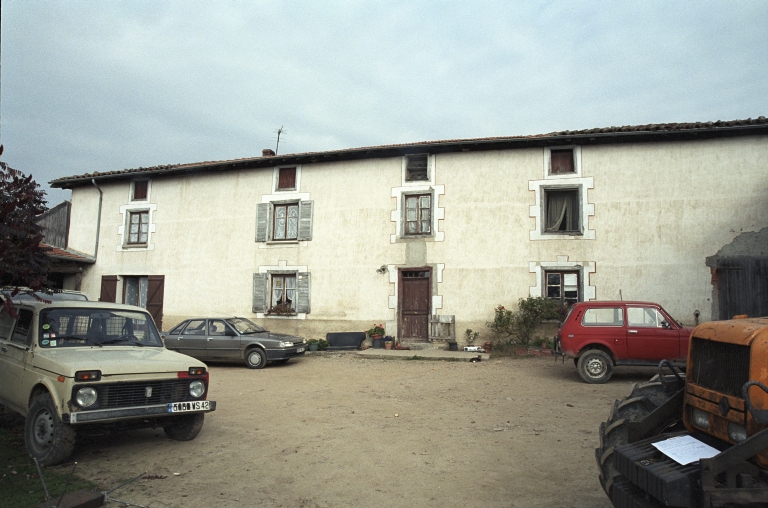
{"points": [[626, 133], [66, 254]]}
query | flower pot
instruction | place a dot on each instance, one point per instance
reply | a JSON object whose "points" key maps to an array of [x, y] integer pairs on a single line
{"points": [[378, 343], [314, 346], [487, 347], [387, 344]]}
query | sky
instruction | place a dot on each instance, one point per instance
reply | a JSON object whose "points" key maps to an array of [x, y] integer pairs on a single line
{"points": [[91, 86]]}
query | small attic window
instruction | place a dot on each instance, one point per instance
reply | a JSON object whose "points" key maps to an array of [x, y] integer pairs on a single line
{"points": [[286, 178], [416, 167], [140, 190], [561, 161]]}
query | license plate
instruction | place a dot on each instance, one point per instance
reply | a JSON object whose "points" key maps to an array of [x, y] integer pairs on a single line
{"points": [[180, 407], [299, 349]]}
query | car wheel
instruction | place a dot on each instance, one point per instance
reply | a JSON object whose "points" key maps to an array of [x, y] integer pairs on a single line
{"points": [[185, 428], [256, 359], [48, 439], [595, 366]]}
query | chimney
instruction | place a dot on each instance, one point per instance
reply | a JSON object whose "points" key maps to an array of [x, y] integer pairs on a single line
{"points": [[267, 152]]}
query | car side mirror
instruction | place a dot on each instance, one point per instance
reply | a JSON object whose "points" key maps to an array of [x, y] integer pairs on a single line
{"points": [[230, 333], [665, 324]]}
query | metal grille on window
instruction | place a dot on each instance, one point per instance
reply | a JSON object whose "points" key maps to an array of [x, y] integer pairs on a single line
{"points": [[139, 227]]}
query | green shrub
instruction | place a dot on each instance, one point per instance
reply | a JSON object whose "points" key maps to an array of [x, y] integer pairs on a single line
{"points": [[518, 327]]}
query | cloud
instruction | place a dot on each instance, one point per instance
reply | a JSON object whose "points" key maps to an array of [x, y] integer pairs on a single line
{"points": [[100, 86]]}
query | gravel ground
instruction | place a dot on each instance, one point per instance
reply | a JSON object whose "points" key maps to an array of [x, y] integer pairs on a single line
{"points": [[336, 430]]}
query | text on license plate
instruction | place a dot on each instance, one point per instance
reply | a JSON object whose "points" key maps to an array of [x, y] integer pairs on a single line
{"points": [[300, 350], [180, 407]]}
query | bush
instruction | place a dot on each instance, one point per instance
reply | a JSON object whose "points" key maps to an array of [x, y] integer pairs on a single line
{"points": [[517, 328]]}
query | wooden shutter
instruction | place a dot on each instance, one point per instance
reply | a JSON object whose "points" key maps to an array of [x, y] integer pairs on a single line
{"points": [[140, 190], [260, 300], [262, 221], [302, 292], [287, 178], [155, 290], [108, 288], [305, 220]]}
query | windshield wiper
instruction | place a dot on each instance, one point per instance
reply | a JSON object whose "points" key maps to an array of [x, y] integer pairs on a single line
{"points": [[120, 339]]}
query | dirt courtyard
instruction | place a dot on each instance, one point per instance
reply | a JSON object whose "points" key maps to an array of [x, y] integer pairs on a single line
{"points": [[336, 430]]}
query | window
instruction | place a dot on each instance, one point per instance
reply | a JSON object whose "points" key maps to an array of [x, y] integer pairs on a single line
{"points": [[286, 226], [644, 317], [418, 214], [281, 293], [140, 188], [283, 297], [284, 221], [136, 291], [561, 161], [562, 211], [286, 178], [603, 316], [416, 167], [138, 227], [563, 287], [23, 324]]}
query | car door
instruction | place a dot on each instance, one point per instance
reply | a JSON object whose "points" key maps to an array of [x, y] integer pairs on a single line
{"points": [[191, 341], [604, 325], [222, 342], [15, 341], [650, 336]]}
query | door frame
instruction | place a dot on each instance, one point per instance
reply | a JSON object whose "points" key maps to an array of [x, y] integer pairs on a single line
{"points": [[400, 297]]}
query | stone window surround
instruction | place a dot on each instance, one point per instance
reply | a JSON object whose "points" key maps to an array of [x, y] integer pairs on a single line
{"points": [[276, 179], [122, 229], [281, 268], [586, 268], [417, 187]]}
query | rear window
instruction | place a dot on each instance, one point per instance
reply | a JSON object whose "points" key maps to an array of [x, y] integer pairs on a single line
{"points": [[603, 316]]}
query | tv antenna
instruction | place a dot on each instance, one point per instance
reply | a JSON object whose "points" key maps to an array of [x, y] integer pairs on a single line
{"points": [[279, 131]]}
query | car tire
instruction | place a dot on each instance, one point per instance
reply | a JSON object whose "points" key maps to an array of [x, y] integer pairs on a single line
{"points": [[595, 366], [185, 428], [48, 439], [256, 358], [642, 400]]}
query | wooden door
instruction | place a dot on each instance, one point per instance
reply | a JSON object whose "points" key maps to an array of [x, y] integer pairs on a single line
{"points": [[415, 303], [156, 288]]}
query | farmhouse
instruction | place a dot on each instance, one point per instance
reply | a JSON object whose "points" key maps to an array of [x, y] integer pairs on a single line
{"points": [[427, 238]]}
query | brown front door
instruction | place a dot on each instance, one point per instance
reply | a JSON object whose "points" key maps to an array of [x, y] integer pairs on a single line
{"points": [[414, 303]]}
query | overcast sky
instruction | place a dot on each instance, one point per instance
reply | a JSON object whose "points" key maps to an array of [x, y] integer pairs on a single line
{"points": [[108, 85]]}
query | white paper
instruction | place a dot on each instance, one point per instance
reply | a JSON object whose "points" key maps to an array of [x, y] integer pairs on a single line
{"points": [[685, 449]]}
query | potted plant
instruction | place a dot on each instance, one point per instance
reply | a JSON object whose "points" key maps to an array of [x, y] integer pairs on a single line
{"points": [[470, 336], [313, 344], [453, 345], [388, 342], [376, 332], [281, 309]]}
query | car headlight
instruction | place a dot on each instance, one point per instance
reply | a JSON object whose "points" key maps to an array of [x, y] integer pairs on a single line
{"points": [[86, 396], [737, 433], [700, 419], [196, 389], [286, 344]]}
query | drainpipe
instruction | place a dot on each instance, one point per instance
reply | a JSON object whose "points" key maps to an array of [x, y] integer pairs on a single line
{"points": [[98, 221]]}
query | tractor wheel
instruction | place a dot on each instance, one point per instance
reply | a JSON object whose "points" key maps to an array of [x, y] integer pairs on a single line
{"points": [[642, 400]]}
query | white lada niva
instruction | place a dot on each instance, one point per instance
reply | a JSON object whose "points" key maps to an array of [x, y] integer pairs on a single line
{"points": [[72, 365]]}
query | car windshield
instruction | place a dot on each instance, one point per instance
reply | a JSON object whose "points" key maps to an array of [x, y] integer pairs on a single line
{"points": [[244, 326], [73, 327]]}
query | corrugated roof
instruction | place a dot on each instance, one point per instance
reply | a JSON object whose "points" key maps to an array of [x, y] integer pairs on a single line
{"points": [[626, 133]]}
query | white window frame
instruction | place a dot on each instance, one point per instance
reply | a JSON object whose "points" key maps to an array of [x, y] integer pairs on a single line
{"points": [[417, 187], [124, 228], [585, 269], [282, 268], [276, 178]]}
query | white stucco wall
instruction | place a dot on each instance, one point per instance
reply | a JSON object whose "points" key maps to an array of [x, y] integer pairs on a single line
{"points": [[656, 211]]}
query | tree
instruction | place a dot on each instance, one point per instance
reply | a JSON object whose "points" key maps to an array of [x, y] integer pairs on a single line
{"points": [[23, 262]]}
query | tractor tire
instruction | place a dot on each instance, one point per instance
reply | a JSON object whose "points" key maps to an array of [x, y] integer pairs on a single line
{"points": [[642, 400]]}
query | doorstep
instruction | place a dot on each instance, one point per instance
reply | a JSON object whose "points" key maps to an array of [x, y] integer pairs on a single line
{"points": [[423, 354]]}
